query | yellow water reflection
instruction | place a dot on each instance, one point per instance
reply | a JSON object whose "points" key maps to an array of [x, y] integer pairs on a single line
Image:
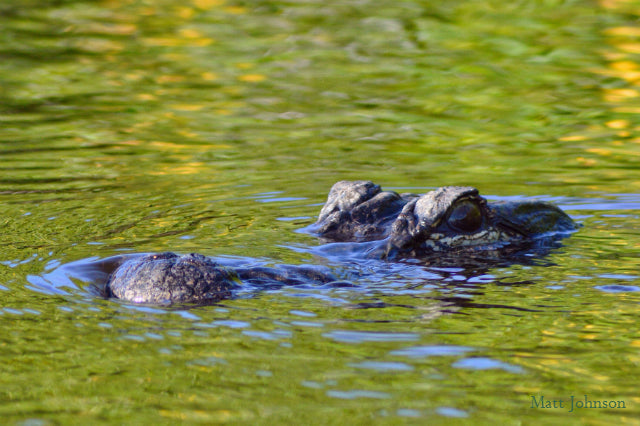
{"points": [[617, 139]]}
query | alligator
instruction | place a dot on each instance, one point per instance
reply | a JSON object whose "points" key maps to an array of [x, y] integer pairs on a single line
{"points": [[454, 220]]}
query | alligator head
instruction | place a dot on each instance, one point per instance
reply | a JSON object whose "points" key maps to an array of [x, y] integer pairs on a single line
{"points": [[448, 218]]}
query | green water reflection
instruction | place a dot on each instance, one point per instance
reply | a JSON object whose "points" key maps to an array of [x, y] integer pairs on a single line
{"points": [[218, 127]]}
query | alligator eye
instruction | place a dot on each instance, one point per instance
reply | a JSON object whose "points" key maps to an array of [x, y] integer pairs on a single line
{"points": [[465, 216]]}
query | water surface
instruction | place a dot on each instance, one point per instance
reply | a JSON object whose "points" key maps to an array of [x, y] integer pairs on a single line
{"points": [[218, 127]]}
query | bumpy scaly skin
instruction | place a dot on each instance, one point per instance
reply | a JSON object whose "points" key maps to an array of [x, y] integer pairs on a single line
{"points": [[358, 211], [168, 278], [451, 217]]}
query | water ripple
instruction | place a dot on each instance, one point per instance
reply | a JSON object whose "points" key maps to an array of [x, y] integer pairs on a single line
{"points": [[481, 363], [383, 366], [357, 394], [618, 288], [436, 350], [348, 336]]}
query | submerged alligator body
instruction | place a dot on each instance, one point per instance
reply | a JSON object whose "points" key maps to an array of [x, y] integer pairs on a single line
{"points": [[450, 219], [168, 278]]}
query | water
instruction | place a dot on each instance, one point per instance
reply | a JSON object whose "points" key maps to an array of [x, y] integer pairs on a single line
{"points": [[218, 127]]}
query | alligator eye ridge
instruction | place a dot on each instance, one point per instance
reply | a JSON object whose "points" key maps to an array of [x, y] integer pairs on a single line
{"points": [[465, 216]]}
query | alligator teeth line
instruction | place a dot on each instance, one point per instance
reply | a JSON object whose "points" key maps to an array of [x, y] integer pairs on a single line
{"points": [[439, 242]]}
